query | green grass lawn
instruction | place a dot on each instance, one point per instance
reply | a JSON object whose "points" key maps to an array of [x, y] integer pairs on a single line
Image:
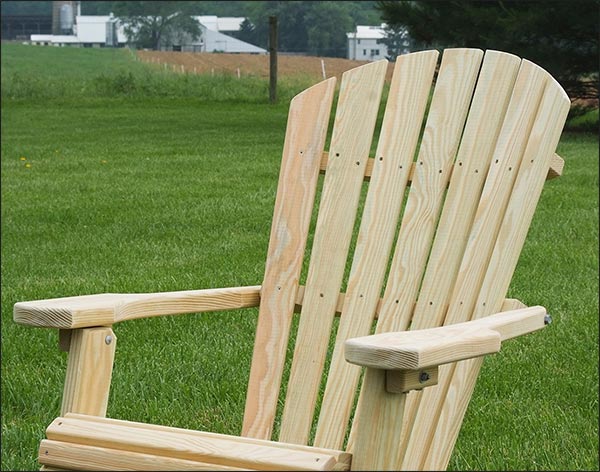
{"points": [[122, 192]]}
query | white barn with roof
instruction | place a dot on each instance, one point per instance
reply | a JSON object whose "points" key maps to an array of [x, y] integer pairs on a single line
{"points": [[215, 39], [106, 31]]}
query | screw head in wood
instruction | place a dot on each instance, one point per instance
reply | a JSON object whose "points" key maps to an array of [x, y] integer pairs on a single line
{"points": [[108, 339], [424, 377]]}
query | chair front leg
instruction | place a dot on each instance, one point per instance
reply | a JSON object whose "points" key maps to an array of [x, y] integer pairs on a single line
{"points": [[89, 371]]}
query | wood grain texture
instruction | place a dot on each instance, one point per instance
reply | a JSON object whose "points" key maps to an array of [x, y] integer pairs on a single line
{"points": [[508, 151], [71, 456], [87, 311], [305, 138], [89, 371], [486, 114], [405, 108], [418, 349], [541, 143], [514, 135], [356, 114], [381, 413], [413, 350], [181, 444], [524, 197], [445, 122], [108, 308]]}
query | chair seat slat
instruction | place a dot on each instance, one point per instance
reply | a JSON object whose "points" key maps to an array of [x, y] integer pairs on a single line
{"points": [[189, 445]]}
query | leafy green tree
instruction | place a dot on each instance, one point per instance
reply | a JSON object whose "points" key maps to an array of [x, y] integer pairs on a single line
{"points": [[363, 12], [90, 7], [311, 27], [9, 7], [147, 23], [292, 34], [220, 8], [247, 32], [397, 41], [327, 25], [561, 36]]}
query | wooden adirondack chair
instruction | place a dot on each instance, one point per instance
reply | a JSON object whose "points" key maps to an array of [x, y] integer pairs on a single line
{"points": [[475, 176]]}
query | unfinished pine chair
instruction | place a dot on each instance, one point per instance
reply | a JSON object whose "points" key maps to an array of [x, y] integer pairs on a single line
{"points": [[466, 187]]}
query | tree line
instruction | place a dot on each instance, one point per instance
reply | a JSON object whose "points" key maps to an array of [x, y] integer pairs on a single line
{"points": [[561, 35]]}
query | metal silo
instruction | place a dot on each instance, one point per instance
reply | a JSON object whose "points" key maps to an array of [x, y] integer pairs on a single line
{"points": [[63, 17]]}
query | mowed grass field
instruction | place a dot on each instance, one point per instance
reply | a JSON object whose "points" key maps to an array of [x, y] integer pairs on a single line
{"points": [[168, 183]]}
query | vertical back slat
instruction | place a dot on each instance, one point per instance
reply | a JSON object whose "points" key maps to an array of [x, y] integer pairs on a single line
{"points": [[407, 100], [490, 101], [486, 115], [527, 189], [360, 94], [509, 150], [304, 143], [445, 122]]}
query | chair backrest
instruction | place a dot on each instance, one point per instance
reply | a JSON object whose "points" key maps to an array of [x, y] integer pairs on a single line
{"points": [[452, 187]]}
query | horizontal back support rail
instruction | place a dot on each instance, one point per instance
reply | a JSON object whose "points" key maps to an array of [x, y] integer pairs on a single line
{"points": [[557, 164], [508, 304]]}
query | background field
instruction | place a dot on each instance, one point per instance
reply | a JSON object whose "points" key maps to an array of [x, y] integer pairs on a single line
{"points": [[168, 183], [252, 64]]}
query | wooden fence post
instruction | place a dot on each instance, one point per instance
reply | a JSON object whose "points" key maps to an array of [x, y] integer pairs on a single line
{"points": [[273, 59]]}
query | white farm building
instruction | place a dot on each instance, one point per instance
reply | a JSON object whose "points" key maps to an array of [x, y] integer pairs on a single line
{"points": [[106, 31], [366, 43]]}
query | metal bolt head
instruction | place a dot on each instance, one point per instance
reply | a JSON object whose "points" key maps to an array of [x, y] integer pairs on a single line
{"points": [[424, 377], [547, 319], [108, 339]]}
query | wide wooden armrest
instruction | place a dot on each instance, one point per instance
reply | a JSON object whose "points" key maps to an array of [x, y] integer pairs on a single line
{"points": [[414, 350], [109, 308]]}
